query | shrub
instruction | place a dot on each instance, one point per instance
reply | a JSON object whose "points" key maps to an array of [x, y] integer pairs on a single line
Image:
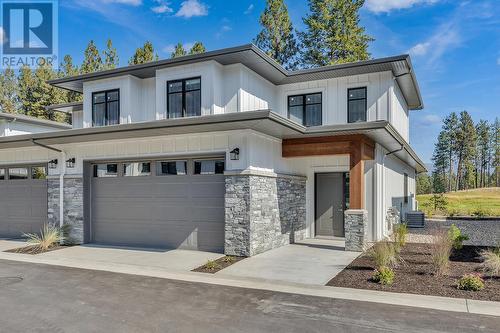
{"points": [[438, 202], [471, 282], [383, 275], [211, 265], [400, 232], [49, 236], [491, 261], [441, 251], [228, 259], [457, 237], [384, 255]]}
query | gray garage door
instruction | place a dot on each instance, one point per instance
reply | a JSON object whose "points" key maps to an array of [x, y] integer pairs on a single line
{"points": [[163, 204], [23, 200]]}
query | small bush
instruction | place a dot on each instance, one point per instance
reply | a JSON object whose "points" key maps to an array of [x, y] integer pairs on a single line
{"points": [[491, 261], [49, 236], [383, 275], [457, 237], [211, 265], [384, 255], [400, 233], [471, 282], [441, 251], [229, 259]]}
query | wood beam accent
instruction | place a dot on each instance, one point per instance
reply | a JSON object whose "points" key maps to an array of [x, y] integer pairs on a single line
{"points": [[359, 148]]}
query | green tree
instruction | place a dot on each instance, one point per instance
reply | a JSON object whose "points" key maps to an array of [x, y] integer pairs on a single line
{"points": [[111, 59], [334, 34], [197, 48], [483, 153], [450, 127], [66, 69], [9, 99], [179, 51], [466, 150], [424, 183], [277, 36], [495, 148], [144, 54], [92, 61], [440, 162]]}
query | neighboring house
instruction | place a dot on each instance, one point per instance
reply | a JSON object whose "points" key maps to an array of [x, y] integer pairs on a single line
{"points": [[17, 124], [221, 151]]}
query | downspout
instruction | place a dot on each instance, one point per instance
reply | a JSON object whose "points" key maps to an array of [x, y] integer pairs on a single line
{"points": [[61, 179], [383, 184]]}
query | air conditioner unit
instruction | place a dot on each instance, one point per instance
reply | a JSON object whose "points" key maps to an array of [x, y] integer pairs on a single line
{"points": [[415, 219]]}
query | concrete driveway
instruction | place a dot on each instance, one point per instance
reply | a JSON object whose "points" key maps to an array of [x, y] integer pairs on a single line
{"points": [[311, 261], [175, 260]]}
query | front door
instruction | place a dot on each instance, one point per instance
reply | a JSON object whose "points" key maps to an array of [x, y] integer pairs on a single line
{"points": [[330, 204]]}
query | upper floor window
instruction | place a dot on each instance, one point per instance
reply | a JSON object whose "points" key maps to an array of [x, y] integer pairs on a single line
{"points": [[305, 109], [356, 105], [184, 98], [106, 108]]}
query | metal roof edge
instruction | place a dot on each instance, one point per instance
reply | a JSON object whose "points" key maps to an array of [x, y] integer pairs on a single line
{"points": [[394, 133], [34, 120]]}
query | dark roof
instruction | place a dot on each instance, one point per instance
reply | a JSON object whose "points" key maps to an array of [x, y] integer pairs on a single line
{"points": [[258, 61], [33, 120], [263, 121]]}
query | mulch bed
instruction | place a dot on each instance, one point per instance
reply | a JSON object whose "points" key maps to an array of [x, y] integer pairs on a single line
{"points": [[416, 277], [220, 264], [33, 249]]}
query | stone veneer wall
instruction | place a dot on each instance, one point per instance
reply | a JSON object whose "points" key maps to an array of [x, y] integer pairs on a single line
{"points": [[356, 230], [73, 206], [263, 212]]}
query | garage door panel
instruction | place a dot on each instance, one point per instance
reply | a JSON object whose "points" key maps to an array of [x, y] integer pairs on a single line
{"points": [[159, 211]]}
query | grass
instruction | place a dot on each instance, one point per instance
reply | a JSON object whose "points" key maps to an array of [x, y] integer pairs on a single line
{"points": [[477, 202]]}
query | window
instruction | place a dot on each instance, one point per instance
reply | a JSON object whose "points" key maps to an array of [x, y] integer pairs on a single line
{"points": [[106, 170], [18, 173], [405, 189], [38, 172], [106, 108], [2, 174], [305, 109], [171, 168], [209, 167], [184, 98], [136, 169], [356, 105]]}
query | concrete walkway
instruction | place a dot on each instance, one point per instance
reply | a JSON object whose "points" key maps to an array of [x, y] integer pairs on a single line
{"points": [[311, 261], [420, 301]]}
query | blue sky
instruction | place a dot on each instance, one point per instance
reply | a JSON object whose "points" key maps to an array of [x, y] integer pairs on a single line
{"points": [[455, 45]]}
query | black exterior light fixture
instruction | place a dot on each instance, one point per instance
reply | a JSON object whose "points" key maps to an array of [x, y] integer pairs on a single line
{"points": [[235, 154], [70, 163], [53, 164]]}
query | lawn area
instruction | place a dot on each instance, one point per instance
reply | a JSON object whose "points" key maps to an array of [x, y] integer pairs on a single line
{"points": [[478, 202]]}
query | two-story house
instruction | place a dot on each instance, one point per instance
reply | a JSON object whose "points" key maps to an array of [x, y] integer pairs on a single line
{"points": [[221, 151]]}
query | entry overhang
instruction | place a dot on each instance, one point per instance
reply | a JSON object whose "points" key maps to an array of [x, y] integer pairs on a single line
{"points": [[263, 121]]}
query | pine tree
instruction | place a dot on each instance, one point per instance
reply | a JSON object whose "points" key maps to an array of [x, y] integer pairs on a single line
{"points": [[111, 59], [450, 126], [26, 84], [440, 161], [92, 61], [495, 148], [277, 36], [424, 183], [466, 148], [197, 48], [9, 99], [144, 54], [483, 152], [334, 34], [179, 51], [67, 69]]}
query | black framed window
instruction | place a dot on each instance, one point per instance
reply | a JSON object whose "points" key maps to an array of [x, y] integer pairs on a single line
{"points": [[176, 168], [106, 170], [2, 174], [136, 169], [18, 173], [405, 188], [209, 167], [305, 109], [39, 172], [184, 98], [106, 108], [356, 105]]}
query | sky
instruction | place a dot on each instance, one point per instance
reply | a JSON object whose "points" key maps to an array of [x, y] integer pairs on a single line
{"points": [[454, 45]]}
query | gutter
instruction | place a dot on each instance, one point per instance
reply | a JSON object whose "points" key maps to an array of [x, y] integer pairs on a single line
{"points": [[62, 173]]}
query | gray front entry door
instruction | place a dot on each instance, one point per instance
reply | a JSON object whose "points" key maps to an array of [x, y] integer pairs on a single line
{"points": [[330, 204], [23, 206], [181, 211]]}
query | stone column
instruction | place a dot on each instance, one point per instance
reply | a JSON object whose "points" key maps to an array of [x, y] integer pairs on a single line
{"points": [[356, 230], [73, 205]]}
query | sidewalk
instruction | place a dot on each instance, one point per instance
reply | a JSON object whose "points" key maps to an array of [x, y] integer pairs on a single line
{"points": [[421, 301]]}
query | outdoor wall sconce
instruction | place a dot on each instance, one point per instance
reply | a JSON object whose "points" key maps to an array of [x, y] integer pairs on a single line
{"points": [[70, 163], [235, 154], [53, 164]]}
